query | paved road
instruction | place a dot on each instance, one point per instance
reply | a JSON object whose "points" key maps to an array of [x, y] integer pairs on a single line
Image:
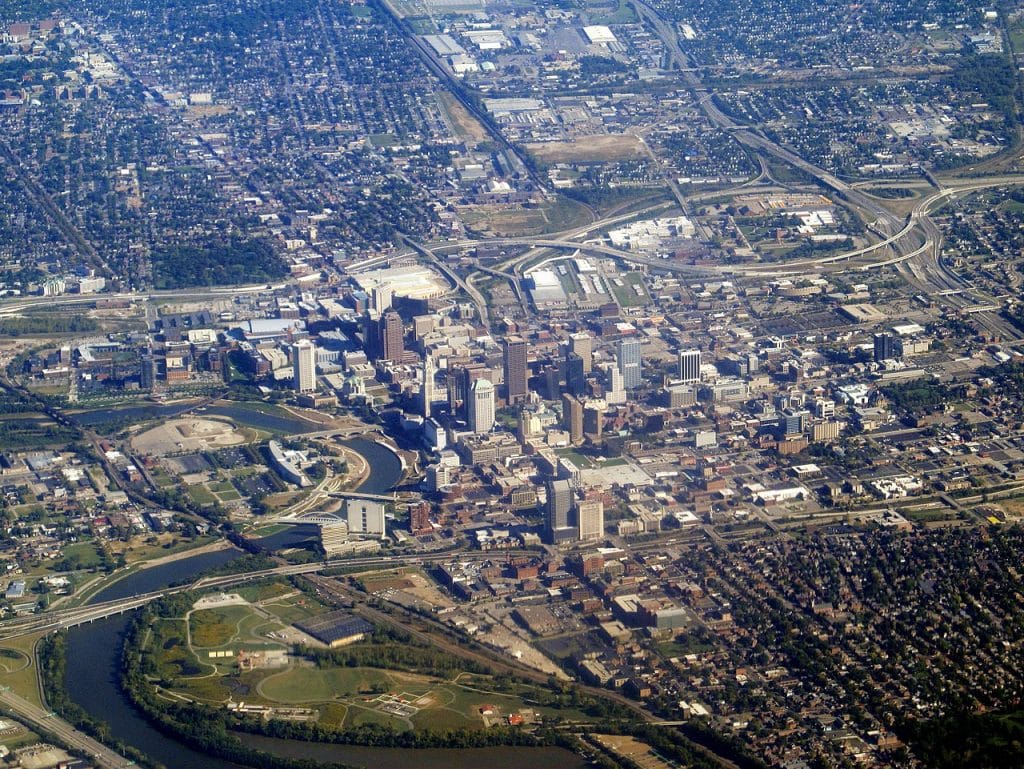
{"points": [[65, 732]]}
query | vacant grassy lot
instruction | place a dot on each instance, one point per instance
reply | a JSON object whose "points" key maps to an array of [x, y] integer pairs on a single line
{"points": [[599, 148], [299, 685], [210, 628]]}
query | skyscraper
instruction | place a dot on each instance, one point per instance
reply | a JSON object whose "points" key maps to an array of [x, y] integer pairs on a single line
{"points": [[583, 345], [147, 375], [615, 395], [516, 372], [590, 514], [628, 358], [885, 347], [572, 417], [557, 524], [382, 296], [689, 365], [304, 366], [481, 406], [392, 336], [593, 419], [427, 390], [575, 373]]}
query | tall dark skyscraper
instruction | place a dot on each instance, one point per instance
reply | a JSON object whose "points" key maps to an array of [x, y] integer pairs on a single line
{"points": [[558, 521], [575, 373], [516, 371], [392, 336], [885, 347]]}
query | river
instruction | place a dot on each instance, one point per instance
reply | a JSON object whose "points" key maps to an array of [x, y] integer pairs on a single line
{"points": [[93, 671]]}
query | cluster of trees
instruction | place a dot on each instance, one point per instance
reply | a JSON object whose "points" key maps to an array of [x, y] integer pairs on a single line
{"points": [[47, 324], [918, 395], [386, 651], [991, 76], [216, 263], [983, 740]]}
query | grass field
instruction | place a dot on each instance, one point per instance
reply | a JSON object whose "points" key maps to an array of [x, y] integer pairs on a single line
{"points": [[513, 221], [210, 628], [84, 554], [18, 669], [303, 685], [264, 591], [623, 13], [201, 495]]}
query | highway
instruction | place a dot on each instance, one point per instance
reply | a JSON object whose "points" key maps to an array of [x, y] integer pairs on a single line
{"points": [[62, 730], [14, 306], [62, 619]]}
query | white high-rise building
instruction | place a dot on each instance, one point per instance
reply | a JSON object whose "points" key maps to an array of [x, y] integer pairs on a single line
{"points": [[689, 365], [615, 395], [630, 365], [304, 366], [481, 406], [590, 515], [427, 390]]}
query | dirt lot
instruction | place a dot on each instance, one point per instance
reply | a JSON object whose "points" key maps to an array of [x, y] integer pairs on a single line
{"points": [[632, 749], [461, 122], [188, 435], [598, 148]]}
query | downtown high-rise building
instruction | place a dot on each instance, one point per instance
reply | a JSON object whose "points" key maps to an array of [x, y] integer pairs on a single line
{"points": [[427, 390], [575, 373], [583, 345], [392, 336], [615, 394], [689, 365], [481, 406], [572, 417], [590, 517], [516, 371], [630, 365], [304, 366], [558, 525]]}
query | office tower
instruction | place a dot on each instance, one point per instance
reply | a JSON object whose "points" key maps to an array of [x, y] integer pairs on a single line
{"points": [[516, 372], [382, 296], [304, 366], [593, 420], [583, 345], [371, 336], [615, 395], [551, 379], [590, 514], [481, 406], [557, 513], [427, 390], [885, 347], [392, 336], [628, 359], [575, 374], [792, 422], [147, 376], [572, 417], [689, 365]]}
